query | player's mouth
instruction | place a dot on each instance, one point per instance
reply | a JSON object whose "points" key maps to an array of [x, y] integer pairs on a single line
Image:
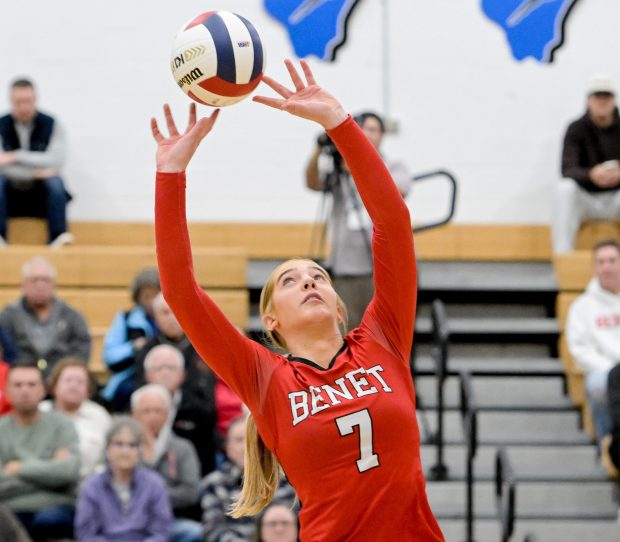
{"points": [[313, 297]]}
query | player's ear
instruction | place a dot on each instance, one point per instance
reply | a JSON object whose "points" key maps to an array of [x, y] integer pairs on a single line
{"points": [[270, 322]]}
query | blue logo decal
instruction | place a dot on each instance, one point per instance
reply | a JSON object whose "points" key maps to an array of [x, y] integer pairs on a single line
{"points": [[534, 28], [315, 27]]}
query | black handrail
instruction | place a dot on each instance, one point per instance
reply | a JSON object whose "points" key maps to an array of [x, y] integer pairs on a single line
{"points": [[469, 415], [505, 493], [452, 207], [441, 339]]}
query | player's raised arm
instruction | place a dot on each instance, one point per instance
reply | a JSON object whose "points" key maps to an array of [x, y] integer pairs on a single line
{"points": [[393, 307], [218, 342]]}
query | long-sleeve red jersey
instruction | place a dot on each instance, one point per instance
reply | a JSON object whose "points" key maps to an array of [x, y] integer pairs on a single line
{"points": [[346, 436]]}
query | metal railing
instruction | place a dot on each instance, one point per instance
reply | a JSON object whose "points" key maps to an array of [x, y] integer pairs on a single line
{"points": [[452, 203], [469, 416], [441, 339], [505, 493]]}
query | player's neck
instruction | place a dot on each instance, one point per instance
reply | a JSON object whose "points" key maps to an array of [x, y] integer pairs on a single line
{"points": [[320, 350]]}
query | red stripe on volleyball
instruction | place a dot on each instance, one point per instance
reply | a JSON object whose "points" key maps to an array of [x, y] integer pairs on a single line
{"points": [[218, 86], [200, 19], [194, 97]]}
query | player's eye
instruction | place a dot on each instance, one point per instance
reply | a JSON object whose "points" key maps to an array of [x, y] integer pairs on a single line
{"points": [[319, 276], [287, 280]]}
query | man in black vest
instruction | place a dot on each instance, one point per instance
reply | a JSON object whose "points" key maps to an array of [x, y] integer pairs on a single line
{"points": [[32, 150]]}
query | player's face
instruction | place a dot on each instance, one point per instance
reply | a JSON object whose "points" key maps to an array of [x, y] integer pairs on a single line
{"points": [[601, 104], [72, 386], [279, 525], [607, 267], [23, 103], [372, 129], [303, 294]]}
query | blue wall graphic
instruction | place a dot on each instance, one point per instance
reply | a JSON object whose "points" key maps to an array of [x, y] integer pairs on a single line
{"points": [[534, 28], [315, 27]]}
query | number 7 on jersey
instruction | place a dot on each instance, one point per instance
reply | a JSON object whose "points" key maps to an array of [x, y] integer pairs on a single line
{"points": [[368, 459]]}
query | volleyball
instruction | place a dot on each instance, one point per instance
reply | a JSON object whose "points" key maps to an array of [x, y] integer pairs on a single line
{"points": [[218, 58]]}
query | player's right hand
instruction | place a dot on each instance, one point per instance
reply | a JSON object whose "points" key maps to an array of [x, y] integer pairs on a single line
{"points": [[175, 151]]}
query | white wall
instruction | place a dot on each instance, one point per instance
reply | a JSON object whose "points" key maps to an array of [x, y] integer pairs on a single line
{"points": [[461, 101]]}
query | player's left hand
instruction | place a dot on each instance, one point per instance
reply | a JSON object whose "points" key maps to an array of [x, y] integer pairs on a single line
{"points": [[175, 151], [308, 101]]}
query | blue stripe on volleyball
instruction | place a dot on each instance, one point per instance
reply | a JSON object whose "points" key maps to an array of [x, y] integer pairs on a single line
{"points": [[257, 68], [226, 67]]}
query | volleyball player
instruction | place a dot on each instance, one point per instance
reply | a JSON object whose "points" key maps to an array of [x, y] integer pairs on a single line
{"points": [[338, 412]]}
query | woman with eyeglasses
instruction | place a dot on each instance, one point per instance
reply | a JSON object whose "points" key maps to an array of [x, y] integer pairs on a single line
{"points": [[276, 523], [125, 502]]}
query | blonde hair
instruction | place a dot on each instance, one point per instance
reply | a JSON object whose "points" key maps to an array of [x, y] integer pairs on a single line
{"points": [[267, 293], [261, 475], [262, 470]]}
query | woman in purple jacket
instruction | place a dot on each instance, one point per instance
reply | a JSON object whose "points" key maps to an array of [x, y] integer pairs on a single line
{"points": [[125, 502]]}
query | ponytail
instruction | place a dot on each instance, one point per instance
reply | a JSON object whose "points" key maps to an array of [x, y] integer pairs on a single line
{"points": [[261, 475]]}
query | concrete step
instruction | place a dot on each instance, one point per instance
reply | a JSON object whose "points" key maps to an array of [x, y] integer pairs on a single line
{"points": [[492, 366], [489, 326], [545, 531], [498, 393], [519, 429], [534, 500], [534, 463]]}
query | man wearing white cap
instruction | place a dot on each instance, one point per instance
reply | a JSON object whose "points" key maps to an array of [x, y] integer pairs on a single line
{"points": [[590, 165]]}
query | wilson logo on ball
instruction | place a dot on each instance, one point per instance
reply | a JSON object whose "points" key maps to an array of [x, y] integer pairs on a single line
{"points": [[224, 55]]}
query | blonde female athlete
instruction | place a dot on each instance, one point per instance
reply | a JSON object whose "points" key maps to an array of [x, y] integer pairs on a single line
{"points": [[338, 412]]}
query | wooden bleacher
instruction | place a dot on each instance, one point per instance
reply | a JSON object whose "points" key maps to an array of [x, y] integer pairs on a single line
{"points": [[96, 279]]}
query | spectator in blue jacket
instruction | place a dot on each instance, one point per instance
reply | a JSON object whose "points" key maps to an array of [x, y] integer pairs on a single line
{"points": [[127, 335], [125, 502]]}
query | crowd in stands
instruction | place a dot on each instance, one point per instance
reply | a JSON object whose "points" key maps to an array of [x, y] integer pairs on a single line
{"points": [[157, 453], [157, 456]]}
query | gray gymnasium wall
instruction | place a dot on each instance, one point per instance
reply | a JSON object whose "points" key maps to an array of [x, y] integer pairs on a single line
{"points": [[460, 99]]}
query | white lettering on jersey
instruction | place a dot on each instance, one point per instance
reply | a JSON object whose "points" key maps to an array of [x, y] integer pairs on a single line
{"points": [[349, 387]]}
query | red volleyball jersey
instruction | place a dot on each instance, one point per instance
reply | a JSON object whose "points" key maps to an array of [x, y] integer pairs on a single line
{"points": [[346, 436]]}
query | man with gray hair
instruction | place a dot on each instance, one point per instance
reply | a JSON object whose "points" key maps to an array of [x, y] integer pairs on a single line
{"points": [[45, 329], [172, 457], [193, 414]]}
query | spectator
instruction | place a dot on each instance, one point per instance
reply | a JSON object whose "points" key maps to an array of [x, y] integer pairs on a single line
{"points": [[172, 457], [127, 335], [45, 328], [593, 330], [168, 332], [276, 523], [193, 405], [71, 385], [33, 151], [125, 502], [40, 460], [222, 487], [349, 224], [590, 166]]}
